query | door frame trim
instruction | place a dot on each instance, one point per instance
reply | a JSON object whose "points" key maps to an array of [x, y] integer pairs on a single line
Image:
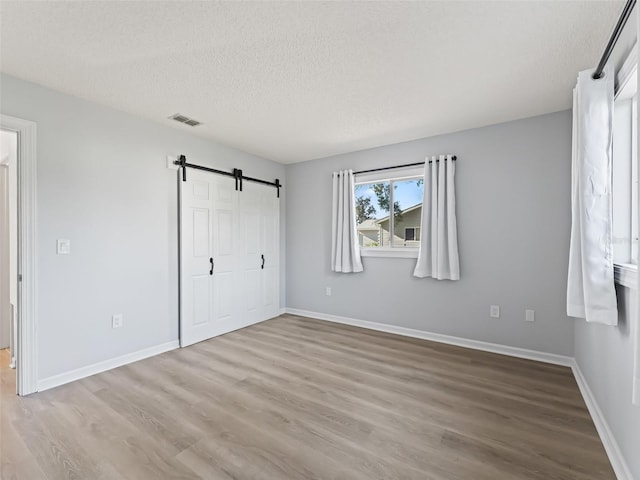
{"points": [[27, 331]]}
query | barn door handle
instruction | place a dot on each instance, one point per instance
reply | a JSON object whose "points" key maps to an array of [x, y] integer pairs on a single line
{"points": [[262, 267], [211, 269]]}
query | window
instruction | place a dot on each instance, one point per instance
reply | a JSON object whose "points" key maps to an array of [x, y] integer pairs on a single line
{"points": [[412, 234], [389, 212], [625, 176]]}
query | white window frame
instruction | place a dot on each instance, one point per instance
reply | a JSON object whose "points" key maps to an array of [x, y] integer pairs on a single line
{"points": [[626, 274], [389, 176], [634, 180]]}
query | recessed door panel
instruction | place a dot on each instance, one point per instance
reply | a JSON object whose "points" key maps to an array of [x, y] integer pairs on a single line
{"points": [[201, 190], [201, 300], [224, 232], [252, 290], [226, 192], [252, 232], [268, 233], [201, 235], [223, 286], [269, 289]]}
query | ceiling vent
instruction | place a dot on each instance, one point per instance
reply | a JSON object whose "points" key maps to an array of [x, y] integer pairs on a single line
{"points": [[178, 117]]}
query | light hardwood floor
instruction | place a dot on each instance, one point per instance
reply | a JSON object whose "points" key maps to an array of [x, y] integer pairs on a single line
{"points": [[296, 398]]}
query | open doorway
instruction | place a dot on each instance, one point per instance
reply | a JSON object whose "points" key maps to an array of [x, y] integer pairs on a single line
{"points": [[8, 253], [18, 143]]}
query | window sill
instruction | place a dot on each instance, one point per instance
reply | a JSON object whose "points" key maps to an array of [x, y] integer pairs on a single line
{"points": [[626, 275], [390, 252]]}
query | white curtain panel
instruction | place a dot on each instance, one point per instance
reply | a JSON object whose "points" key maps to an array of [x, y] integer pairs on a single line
{"points": [[636, 366], [590, 288], [438, 254], [636, 363], [345, 250]]}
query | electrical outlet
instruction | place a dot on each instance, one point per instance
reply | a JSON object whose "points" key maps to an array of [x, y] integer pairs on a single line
{"points": [[494, 311], [530, 315], [327, 291], [116, 320]]}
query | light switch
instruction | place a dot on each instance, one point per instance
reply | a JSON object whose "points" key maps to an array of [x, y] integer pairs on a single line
{"points": [[63, 246]]}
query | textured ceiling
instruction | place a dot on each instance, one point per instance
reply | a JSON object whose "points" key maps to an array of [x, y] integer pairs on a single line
{"points": [[293, 81]]}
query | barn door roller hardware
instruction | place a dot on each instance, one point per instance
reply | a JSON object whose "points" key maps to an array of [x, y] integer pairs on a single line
{"points": [[236, 174]]}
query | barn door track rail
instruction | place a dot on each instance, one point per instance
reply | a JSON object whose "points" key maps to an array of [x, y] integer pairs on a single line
{"points": [[237, 174]]}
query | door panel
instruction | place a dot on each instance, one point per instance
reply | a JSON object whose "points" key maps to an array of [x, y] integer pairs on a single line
{"points": [[208, 214], [195, 250], [201, 190], [270, 229], [251, 291], [252, 232], [226, 315], [224, 232], [250, 260], [201, 234], [223, 295], [269, 300], [201, 301]]}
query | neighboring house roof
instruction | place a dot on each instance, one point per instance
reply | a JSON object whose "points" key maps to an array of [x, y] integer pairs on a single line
{"points": [[406, 210], [369, 224]]}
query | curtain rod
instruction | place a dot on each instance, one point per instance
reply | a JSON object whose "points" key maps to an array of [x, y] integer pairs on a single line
{"points": [[626, 11], [454, 158]]}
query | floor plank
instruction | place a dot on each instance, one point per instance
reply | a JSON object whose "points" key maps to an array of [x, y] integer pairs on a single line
{"points": [[306, 399]]}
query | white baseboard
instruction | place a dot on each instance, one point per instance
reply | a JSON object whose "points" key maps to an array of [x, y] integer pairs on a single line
{"points": [[438, 337], [606, 435], [77, 374]]}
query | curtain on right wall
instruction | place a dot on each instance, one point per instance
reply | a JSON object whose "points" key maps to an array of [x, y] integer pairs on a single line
{"points": [[438, 255], [590, 287], [636, 366]]}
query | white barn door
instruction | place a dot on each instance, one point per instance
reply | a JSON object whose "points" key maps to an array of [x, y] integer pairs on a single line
{"points": [[225, 234], [260, 252]]}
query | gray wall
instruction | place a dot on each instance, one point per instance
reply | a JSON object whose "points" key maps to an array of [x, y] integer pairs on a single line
{"points": [[513, 206], [605, 357], [103, 183]]}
